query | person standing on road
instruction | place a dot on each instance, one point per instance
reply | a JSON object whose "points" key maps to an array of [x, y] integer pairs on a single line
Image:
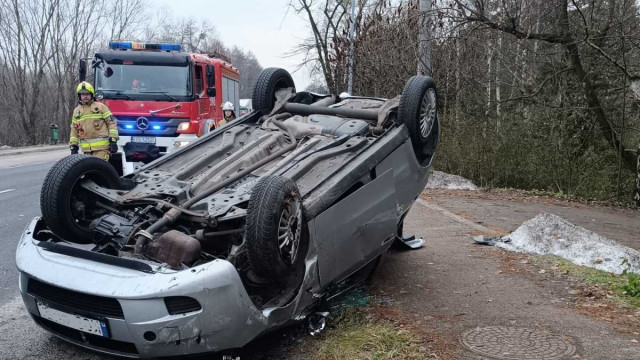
{"points": [[228, 114], [92, 128]]}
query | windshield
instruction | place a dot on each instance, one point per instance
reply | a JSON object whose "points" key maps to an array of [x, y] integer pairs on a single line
{"points": [[143, 82]]}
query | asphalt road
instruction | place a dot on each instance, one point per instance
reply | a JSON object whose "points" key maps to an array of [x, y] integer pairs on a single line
{"points": [[21, 177]]}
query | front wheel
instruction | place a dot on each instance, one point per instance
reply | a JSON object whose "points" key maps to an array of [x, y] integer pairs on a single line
{"points": [[67, 208], [276, 230]]}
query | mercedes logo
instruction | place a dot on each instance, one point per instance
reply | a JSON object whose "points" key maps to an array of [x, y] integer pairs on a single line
{"points": [[142, 123]]}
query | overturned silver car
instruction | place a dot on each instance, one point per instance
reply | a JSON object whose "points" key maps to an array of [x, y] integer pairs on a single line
{"points": [[245, 231]]}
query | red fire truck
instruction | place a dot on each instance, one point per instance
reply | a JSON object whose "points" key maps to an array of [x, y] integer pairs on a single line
{"points": [[161, 98]]}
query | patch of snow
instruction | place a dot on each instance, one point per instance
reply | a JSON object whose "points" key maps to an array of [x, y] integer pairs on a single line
{"points": [[442, 180], [548, 234], [5, 147]]}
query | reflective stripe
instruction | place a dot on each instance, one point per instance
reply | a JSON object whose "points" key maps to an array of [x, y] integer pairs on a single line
{"points": [[73, 140], [91, 116], [107, 113], [94, 143], [113, 131], [94, 140], [86, 117]]}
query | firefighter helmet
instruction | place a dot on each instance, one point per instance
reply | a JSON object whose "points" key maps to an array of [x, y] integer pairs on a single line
{"points": [[227, 106], [85, 88]]}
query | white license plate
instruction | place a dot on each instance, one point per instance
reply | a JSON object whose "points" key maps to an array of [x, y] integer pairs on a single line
{"points": [[73, 321], [144, 139]]}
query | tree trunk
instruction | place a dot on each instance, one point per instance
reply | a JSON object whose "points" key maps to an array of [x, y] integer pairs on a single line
{"points": [[608, 131]]}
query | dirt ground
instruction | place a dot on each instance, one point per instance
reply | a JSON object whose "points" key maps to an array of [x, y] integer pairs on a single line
{"points": [[452, 285]]}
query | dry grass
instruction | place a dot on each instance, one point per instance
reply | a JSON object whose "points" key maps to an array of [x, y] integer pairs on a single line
{"points": [[598, 283], [356, 334]]}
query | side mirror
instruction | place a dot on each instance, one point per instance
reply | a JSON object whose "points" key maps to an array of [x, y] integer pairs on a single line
{"points": [[211, 92], [82, 70], [211, 76]]}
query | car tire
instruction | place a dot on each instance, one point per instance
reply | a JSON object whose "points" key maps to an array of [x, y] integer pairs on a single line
{"points": [[274, 251], [59, 192], [418, 111], [269, 81]]}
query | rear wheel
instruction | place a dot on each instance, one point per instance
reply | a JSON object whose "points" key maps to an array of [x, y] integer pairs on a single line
{"points": [[269, 82], [276, 231], [418, 111], [67, 208]]}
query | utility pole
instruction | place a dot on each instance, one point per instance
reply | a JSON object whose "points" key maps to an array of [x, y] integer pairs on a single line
{"points": [[352, 32], [424, 44]]}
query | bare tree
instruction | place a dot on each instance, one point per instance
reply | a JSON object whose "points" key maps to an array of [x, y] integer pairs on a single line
{"points": [[570, 28], [124, 18], [24, 47], [249, 68], [531, 93], [40, 45], [327, 50]]}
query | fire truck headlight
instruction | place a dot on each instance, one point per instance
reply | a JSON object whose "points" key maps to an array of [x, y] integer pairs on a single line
{"points": [[178, 144], [183, 126]]}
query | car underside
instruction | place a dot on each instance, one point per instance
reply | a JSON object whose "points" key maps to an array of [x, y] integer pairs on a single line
{"points": [[274, 212]]}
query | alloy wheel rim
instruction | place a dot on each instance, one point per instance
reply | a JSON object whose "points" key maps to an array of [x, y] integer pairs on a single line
{"points": [[289, 230], [427, 113]]}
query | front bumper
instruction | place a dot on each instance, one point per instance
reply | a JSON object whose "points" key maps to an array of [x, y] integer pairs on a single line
{"points": [[228, 319]]}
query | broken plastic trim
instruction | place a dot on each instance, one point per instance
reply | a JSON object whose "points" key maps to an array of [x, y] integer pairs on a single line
{"points": [[98, 257]]}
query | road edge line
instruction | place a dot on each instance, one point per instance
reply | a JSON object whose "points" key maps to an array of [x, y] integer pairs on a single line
{"points": [[455, 217]]}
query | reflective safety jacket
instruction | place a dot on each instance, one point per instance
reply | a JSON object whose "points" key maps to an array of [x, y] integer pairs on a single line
{"points": [[92, 126]]}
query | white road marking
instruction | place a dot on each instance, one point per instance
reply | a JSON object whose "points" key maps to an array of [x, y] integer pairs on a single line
{"points": [[455, 217], [6, 191]]}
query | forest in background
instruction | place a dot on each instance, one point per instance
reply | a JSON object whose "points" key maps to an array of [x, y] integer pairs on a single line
{"points": [[41, 42], [533, 94]]}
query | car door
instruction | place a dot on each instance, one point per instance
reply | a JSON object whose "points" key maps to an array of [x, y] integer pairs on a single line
{"points": [[353, 231]]}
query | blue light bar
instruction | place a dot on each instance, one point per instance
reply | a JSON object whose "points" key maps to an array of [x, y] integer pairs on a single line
{"points": [[128, 126], [120, 45], [156, 127], [130, 45]]}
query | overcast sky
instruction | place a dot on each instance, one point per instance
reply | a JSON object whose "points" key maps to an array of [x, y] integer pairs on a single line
{"points": [[264, 27]]}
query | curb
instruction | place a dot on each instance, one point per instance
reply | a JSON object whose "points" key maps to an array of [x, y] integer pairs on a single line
{"points": [[27, 150]]}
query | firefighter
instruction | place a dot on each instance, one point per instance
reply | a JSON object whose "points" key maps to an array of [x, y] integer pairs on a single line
{"points": [[229, 112], [135, 85], [92, 128]]}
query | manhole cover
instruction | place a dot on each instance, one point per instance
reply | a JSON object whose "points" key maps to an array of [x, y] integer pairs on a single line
{"points": [[501, 342]]}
